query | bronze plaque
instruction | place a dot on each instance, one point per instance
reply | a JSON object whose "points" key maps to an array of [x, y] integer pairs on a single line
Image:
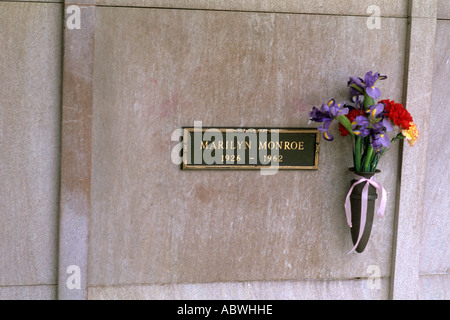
{"points": [[250, 148]]}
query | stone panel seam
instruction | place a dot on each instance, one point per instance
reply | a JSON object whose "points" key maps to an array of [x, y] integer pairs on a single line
{"points": [[247, 11], [29, 285], [33, 2], [76, 144], [121, 285], [433, 274]]}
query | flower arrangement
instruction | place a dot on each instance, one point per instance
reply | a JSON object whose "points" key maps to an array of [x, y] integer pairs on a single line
{"points": [[367, 122]]}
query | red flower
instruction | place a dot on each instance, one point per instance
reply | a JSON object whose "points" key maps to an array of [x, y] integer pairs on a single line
{"points": [[397, 113], [350, 116]]}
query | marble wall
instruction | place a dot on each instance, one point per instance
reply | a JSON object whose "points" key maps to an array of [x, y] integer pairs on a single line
{"points": [[30, 100], [434, 250], [154, 224], [140, 228]]}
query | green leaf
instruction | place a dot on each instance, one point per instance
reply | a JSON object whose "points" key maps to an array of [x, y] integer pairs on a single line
{"points": [[346, 123], [368, 159], [354, 86], [399, 136]]}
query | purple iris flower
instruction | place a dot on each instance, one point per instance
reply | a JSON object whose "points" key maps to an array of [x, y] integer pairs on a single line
{"points": [[379, 138], [358, 85], [360, 126], [327, 114], [356, 88], [320, 115], [375, 111], [323, 115], [357, 81], [369, 80], [328, 136], [387, 124], [337, 109]]}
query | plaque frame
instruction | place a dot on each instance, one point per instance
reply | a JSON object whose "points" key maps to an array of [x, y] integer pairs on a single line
{"points": [[284, 130]]}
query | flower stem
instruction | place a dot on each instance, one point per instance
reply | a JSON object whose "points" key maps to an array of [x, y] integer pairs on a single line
{"points": [[357, 160], [368, 159], [368, 101]]}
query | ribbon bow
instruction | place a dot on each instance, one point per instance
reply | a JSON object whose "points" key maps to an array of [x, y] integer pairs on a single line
{"points": [[364, 197]]}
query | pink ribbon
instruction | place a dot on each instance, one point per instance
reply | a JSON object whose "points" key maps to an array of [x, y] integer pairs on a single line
{"points": [[364, 197]]}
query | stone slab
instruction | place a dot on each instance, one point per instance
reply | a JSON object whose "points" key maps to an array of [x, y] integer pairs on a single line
{"points": [[434, 287], [36, 292], [443, 9], [435, 251], [30, 88], [406, 256], [157, 70]]}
